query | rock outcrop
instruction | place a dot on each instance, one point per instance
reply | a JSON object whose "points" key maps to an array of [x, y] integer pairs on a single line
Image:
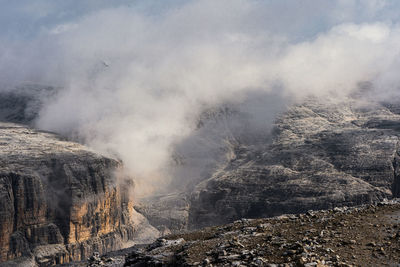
{"points": [[60, 201], [319, 154], [323, 154], [166, 212]]}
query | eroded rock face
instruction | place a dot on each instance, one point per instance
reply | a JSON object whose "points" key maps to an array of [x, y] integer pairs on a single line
{"points": [[323, 154], [59, 201], [320, 154]]}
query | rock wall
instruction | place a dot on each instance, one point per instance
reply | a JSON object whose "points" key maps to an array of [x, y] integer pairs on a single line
{"points": [[59, 201], [324, 153]]}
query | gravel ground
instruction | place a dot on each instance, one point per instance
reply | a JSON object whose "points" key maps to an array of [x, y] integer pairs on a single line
{"points": [[367, 235]]}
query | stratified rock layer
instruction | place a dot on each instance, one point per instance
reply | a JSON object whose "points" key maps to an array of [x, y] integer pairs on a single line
{"points": [[59, 201], [323, 154]]}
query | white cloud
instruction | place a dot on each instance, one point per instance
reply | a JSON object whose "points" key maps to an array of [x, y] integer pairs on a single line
{"points": [[134, 81]]}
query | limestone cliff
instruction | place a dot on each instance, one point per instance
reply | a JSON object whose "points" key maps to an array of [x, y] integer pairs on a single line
{"points": [[59, 201], [324, 153], [319, 154]]}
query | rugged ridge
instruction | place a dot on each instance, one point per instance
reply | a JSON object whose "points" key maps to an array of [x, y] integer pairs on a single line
{"points": [[319, 154], [60, 201], [324, 153]]}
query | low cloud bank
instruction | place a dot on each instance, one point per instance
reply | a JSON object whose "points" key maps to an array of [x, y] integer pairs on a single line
{"points": [[134, 78]]}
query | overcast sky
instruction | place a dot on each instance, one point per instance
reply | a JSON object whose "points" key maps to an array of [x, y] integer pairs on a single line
{"points": [[26, 18], [135, 75]]}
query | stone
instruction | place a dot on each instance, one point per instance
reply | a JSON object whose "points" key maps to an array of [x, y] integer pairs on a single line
{"points": [[320, 154], [261, 251], [61, 201], [323, 153]]}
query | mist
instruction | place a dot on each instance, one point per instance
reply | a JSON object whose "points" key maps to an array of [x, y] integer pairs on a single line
{"points": [[134, 77]]}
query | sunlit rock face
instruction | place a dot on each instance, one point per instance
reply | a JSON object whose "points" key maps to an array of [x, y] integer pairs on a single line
{"points": [[59, 201], [324, 153]]}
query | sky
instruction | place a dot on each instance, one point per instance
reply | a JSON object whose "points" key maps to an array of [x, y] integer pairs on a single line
{"points": [[134, 76]]}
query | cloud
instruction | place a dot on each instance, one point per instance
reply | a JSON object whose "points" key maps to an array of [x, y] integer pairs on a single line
{"points": [[338, 60], [135, 77]]}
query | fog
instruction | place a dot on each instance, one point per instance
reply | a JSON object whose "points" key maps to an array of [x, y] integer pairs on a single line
{"points": [[134, 77]]}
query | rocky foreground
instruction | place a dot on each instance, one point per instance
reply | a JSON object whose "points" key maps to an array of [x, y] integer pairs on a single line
{"points": [[367, 235]]}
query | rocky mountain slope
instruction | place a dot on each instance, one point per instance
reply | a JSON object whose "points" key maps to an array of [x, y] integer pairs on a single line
{"points": [[324, 154], [320, 154], [367, 235], [60, 201]]}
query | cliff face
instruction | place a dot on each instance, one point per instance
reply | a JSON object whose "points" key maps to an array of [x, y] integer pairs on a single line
{"points": [[323, 154], [319, 154], [60, 201]]}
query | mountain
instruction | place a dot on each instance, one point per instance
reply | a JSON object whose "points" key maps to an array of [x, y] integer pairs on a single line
{"points": [[60, 201], [319, 154], [23, 104]]}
